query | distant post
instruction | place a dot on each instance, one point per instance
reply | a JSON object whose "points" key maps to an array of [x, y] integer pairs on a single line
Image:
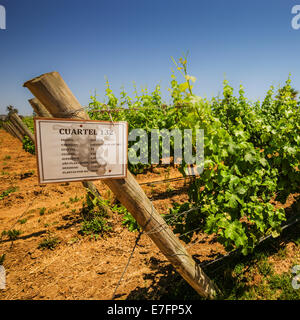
{"points": [[15, 130], [39, 109], [23, 127]]}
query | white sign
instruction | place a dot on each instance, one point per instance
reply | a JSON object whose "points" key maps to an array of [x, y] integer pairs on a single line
{"points": [[79, 150]]}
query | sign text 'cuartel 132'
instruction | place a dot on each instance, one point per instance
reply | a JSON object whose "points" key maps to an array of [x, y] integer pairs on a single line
{"points": [[79, 150]]}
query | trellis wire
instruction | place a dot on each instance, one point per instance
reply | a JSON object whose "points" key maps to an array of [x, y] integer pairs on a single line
{"points": [[203, 264], [120, 109], [166, 180]]}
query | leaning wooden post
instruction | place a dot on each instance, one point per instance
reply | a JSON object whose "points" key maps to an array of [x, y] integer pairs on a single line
{"points": [[16, 131], [19, 129], [22, 125], [55, 95], [11, 131], [16, 125], [39, 109], [8, 130], [5, 127]]}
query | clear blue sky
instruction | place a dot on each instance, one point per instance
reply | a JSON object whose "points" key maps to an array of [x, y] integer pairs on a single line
{"points": [[251, 42]]}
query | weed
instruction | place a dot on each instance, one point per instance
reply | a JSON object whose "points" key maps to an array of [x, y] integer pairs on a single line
{"points": [[130, 222], [8, 192], [50, 242], [283, 283], [238, 269], [42, 211], [263, 291], [74, 200], [94, 218], [12, 234], [119, 209], [282, 253], [128, 219], [95, 227], [265, 268], [22, 221], [260, 255]]}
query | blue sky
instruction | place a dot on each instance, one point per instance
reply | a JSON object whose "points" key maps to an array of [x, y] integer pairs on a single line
{"points": [[249, 42]]}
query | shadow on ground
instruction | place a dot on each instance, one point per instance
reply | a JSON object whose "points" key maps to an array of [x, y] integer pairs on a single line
{"points": [[166, 283]]}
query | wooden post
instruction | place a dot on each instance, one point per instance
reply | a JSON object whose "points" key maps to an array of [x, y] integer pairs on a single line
{"points": [[55, 95], [15, 130], [8, 129], [16, 125], [5, 127], [39, 109], [11, 131], [26, 132]]}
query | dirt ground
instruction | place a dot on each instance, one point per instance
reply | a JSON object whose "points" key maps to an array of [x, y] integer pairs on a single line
{"points": [[78, 268]]}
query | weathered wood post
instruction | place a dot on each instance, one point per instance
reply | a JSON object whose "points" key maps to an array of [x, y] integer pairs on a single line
{"points": [[16, 126], [11, 131], [8, 130], [39, 109], [26, 132], [56, 96], [42, 112], [16, 131], [5, 127]]}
